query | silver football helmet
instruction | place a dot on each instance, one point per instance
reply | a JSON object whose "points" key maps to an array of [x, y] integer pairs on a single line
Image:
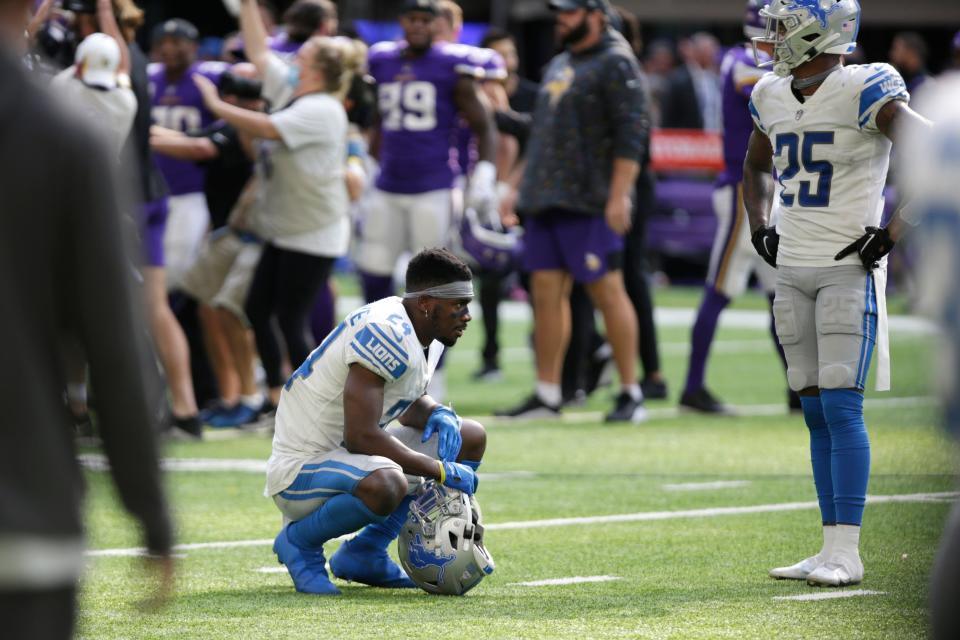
{"points": [[800, 30], [441, 543]]}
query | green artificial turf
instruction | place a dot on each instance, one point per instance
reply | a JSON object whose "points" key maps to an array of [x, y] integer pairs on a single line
{"points": [[700, 576]]}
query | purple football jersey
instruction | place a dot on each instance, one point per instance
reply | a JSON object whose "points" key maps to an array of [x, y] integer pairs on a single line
{"points": [[492, 67], [418, 114], [282, 44], [179, 106], [740, 73]]}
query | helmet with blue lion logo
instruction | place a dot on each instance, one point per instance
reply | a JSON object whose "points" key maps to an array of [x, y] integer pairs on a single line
{"points": [[441, 543], [800, 30]]}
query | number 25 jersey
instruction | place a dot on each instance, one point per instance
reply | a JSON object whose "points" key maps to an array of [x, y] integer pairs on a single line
{"points": [[418, 113], [830, 158]]}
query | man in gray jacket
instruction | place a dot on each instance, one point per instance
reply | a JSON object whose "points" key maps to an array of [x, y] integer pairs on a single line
{"points": [[588, 133]]}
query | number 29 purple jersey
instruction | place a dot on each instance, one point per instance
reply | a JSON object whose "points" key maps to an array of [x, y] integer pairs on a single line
{"points": [[418, 114], [179, 106]]}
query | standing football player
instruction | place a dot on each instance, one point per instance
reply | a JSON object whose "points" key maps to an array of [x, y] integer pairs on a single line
{"points": [[422, 86], [178, 105], [337, 463], [827, 129], [733, 259]]}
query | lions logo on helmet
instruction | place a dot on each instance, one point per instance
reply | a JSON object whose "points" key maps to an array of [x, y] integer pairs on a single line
{"points": [[800, 30], [441, 543]]}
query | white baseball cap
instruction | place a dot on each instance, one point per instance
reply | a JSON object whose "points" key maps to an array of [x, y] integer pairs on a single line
{"points": [[98, 58]]}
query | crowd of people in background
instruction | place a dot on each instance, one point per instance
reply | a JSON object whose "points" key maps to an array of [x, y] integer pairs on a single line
{"points": [[270, 157]]}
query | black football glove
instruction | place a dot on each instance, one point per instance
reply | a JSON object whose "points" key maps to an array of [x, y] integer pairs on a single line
{"points": [[870, 247], [766, 240]]}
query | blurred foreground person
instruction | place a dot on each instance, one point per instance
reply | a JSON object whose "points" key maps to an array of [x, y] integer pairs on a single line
{"points": [[71, 278], [929, 170]]}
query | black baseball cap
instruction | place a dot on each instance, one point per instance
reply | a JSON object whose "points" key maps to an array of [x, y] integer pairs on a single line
{"points": [[80, 6], [425, 6], [177, 28], [572, 5]]}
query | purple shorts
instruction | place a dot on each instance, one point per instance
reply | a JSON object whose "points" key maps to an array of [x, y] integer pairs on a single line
{"points": [[582, 245], [153, 226]]}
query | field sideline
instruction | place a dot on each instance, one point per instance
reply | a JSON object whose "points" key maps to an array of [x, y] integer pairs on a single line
{"points": [[662, 530]]}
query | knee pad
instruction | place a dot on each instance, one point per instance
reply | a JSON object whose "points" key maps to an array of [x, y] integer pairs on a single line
{"points": [[837, 376], [800, 380]]}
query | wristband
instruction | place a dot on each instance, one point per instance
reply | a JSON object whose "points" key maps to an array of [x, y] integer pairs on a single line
{"points": [[443, 472]]}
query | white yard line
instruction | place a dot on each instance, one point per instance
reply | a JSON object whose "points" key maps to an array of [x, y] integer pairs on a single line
{"points": [[706, 486], [562, 581], [832, 595], [278, 569], [669, 316], [745, 410], [562, 522]]}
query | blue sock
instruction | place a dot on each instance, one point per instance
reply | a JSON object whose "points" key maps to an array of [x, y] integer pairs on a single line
{"points": [[338, 515], [820, 450], [379, 535], [473, 464], [850, 459]]}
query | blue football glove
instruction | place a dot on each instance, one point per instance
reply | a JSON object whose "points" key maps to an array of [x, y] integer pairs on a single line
{"points": [[458, 476], [447, 423]]}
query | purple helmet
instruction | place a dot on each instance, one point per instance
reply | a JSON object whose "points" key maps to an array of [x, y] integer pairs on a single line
{"points": [[956, 41], [753, 25], [487, 247]]}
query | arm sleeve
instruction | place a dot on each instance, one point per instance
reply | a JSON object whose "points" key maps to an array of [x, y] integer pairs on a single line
{"points": [[377, 347], [275, 87], [305, 121], [882, 85], [515, 124], [627, 102], [112, 327]]}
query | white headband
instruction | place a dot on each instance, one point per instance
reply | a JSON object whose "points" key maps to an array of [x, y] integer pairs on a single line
{"points": [[450, 290]]}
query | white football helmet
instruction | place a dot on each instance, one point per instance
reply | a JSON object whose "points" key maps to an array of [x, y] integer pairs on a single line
{"points": [[441, 543], [800, 30]]}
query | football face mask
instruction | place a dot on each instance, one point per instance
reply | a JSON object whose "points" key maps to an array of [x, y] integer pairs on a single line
{"points": [[441, 543]]}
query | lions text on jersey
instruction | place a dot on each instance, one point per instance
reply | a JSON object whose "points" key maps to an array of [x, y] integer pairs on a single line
{"points": [[310, 421], [830, 158]]}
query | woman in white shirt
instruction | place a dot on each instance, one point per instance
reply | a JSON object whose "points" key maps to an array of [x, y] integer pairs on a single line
{"points": [[303, 203]]}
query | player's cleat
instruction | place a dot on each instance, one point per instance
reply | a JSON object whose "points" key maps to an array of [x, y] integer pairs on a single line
{"points": [[842, 569], [627, 409], [366, 565], [307, 567], [489, 372], [703, 401], [654, 389], [532, 407], [798, 571], [235, 416]]}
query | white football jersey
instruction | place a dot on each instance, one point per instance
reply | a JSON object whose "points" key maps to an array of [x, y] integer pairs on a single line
{"points": [[830, 158], [379, 337]]}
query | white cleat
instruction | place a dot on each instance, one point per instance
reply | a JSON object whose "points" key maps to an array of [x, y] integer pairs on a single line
{"points": [[839, 571], [798, 571]]}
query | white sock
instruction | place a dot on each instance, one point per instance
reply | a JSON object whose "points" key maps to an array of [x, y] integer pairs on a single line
{"points": [[634, 391], [829, 533], [254, 401], [549, 393], [846, 540]]}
